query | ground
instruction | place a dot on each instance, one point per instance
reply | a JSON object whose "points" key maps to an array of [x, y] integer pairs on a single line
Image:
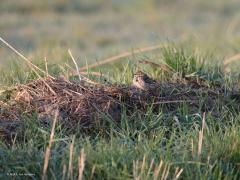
{"points": [[181, 140]]}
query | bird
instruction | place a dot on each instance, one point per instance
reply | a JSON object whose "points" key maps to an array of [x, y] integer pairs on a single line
{"points": [[143, 81]]}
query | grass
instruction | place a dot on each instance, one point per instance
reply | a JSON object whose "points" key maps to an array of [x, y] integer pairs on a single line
{"points": [[144, 146], [102, 28], [163, 145]]}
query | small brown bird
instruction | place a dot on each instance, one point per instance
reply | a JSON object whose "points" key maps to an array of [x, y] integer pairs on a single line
{"points": [[143, 82]]}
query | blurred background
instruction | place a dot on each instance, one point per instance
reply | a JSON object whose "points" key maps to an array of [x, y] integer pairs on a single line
{"points": [[96, 29]]}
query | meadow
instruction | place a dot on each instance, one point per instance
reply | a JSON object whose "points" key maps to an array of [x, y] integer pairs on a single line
{"points": [[198, 40]]}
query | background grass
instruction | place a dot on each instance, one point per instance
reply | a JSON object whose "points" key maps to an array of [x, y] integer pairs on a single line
{"points": [[148, 146], [99, 29]]}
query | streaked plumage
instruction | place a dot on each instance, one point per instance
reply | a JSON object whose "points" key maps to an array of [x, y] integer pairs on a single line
{"points": [[142, 81]]}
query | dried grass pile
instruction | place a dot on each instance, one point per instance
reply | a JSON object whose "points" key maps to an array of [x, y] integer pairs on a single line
{"points": [[75, 100], [87, 105]]}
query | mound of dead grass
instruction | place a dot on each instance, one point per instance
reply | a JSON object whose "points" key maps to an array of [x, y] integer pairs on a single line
{"points": [[87, 105]]}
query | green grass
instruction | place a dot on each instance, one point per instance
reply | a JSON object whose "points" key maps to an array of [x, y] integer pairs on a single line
{"points": [[144, 146], [205, 33]]}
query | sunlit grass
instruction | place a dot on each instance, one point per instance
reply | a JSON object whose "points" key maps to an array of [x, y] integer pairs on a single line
{"points": [[143, 146], [162, 145]]}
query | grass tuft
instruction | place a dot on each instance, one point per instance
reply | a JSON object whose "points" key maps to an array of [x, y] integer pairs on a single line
{"points": [[156, 144]]}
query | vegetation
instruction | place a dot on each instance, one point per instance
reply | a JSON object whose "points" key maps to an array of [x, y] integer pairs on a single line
{"points": [[145, 146], [186, 143]]}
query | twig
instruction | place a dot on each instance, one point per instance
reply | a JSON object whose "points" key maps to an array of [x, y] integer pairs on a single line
{"points": [[149, 169], [178, 174], [92, 172], [231, 59], [73, 71], [47, 153], [78, 72], [122, 55], [200, 142], [157, 170], [46, 66], [75, 63], [29, 63], [91, 81], [70, 163], [81, 164], [170, 102]]}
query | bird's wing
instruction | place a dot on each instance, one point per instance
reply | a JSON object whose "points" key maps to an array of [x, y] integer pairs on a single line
{"points": [[149, 80]]}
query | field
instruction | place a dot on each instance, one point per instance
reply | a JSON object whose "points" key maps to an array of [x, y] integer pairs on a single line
{"points": [[192, 132]]}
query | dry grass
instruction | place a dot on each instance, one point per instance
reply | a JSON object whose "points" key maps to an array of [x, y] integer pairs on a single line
{"points": [[81, 164], [200, 142], [29, 63], [156, 135], [47, 153], [85, 104], [231, 59], [121, 56]]}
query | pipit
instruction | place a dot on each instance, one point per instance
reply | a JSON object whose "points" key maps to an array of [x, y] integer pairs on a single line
{"points": [[143, 82]]}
